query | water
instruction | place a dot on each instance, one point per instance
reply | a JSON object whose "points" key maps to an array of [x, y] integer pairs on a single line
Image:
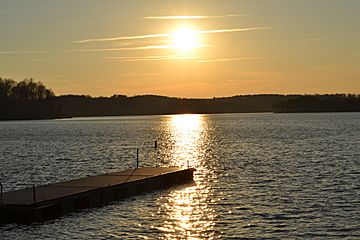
{"points": [[259, 176]]}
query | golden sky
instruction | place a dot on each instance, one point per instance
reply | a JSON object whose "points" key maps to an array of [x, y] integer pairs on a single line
{"points": [[203, 48]]}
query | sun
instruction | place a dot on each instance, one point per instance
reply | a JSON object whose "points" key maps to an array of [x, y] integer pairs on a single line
{"points": [[185, 39]]}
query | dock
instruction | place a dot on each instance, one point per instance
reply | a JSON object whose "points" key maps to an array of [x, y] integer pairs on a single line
{"points": [[53, 200]]}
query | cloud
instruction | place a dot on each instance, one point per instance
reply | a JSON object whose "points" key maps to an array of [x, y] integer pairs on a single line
{"points": [[114, 49], [161, 35], [231, 30], [153, 58], [124, 38], [141, 74], [189, 17], [231, 59], [8, 52], [179, 57], [315, 39], [111, 49], [88, 50]]}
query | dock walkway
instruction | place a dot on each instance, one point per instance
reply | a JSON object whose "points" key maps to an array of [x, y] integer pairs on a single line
{"points": [[53, 200]]}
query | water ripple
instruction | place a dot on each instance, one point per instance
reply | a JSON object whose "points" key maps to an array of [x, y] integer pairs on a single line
{"points": [[259, 176]]}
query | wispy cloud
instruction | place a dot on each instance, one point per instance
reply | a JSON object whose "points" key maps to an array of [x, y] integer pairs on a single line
{"points": [[161, 35], [180, 57], [124, 38], [8, 52], [189, 17], [315, 39], [150, 47], [231, 30], [231, 59], [87, 50], [153, 58], [42, 25], [141, 74]]}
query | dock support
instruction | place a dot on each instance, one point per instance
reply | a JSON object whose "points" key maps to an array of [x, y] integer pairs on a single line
{"points": [[137, 158], [1, 196], [34, 194]]}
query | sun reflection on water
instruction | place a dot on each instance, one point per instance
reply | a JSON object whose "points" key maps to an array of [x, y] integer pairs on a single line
{"points": [[186, 133], [187, 211]]}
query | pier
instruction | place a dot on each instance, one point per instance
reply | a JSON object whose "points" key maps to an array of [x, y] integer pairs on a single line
{"points": [[53, 200]]}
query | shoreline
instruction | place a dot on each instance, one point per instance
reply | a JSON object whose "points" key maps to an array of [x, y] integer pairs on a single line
{"points": [[164, 114]]}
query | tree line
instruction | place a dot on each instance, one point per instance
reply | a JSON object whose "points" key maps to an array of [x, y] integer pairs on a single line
{"points": [[319, 103], [33, 100]]}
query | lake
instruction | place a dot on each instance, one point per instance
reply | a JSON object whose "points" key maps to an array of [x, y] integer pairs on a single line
{"points": [[259, 176]]}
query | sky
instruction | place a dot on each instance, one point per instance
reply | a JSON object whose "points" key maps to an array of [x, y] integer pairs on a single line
{"points": [[183, 48]]}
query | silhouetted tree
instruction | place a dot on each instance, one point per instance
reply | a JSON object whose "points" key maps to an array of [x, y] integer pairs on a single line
{"points": [[6, 86], [26, 100], [30, 90]]}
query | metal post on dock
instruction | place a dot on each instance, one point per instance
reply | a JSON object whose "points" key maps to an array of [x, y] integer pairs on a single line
{"points": [[137, 158], [34, 194], [1, 195]]}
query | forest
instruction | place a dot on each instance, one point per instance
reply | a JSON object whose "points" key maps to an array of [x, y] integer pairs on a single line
{"points": [[29, 99]]}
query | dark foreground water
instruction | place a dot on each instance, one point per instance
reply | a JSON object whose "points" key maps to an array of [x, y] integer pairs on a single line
{"points": [[259, 176]]}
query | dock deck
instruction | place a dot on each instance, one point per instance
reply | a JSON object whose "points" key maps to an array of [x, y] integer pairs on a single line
{"points": [[53, 200]]}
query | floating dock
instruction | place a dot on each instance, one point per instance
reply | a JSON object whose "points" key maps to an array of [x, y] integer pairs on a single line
{"points": [[53, 200]]}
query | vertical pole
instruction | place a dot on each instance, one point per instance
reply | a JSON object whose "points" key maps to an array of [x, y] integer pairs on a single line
{"points": [[155, 145], [34, 194], [1, 197], [188, 164], [137, 158]]}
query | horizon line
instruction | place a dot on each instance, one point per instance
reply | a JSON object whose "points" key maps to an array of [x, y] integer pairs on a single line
{"points": [[217, 97]]}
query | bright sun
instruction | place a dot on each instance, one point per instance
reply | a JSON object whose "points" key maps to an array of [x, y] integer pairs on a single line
{"points": [[185, 39]]}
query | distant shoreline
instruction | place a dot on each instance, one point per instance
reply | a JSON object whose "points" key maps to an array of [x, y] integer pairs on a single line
{"points": [[61, 107], [140, 115]]}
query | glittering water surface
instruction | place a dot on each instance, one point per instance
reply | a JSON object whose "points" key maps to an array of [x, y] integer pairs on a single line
{"points": [[258, 176]]}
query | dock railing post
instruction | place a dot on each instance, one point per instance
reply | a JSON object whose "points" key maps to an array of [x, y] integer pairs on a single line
{"points": [[34, 194], [1, 196], [137, 158]]}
